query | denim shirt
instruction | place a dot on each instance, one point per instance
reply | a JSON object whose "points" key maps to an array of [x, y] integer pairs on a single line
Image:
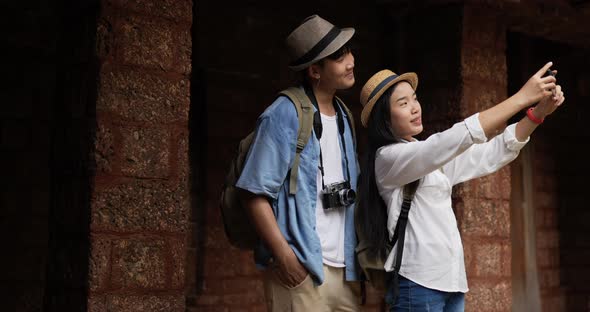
{"points": [[266, 172]]}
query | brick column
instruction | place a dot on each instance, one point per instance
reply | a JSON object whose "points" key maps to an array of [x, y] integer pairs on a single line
{"points": [[483, 205], [140, 200]]}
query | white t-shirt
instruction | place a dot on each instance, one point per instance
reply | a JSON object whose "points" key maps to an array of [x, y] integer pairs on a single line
{"points": [[330, 223]]}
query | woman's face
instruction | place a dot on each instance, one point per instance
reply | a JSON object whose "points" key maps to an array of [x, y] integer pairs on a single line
{"points": [[405, 112]]}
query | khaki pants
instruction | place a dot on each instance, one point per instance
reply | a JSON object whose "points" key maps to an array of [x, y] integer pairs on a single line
{"points": [[335, 294]]}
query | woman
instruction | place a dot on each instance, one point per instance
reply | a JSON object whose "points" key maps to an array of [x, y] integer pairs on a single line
{"points": [[432, 273]]}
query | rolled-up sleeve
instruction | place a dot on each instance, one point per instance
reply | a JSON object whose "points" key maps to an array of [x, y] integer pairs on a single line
{"points": [[474, 127], [512, 143], [272, 151], [483, 159]]}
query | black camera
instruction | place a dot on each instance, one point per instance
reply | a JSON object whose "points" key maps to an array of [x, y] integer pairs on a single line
{"points": [[338, 194]]}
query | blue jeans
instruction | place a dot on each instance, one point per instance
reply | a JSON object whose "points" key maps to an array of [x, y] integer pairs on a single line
{"points": [[416, 298]]}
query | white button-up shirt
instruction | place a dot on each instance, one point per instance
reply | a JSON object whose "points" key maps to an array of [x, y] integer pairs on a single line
{"points": [[433, 253]]}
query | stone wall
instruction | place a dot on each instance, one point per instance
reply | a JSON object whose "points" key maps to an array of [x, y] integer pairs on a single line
{"points": [[484, 204], [140, 206]]}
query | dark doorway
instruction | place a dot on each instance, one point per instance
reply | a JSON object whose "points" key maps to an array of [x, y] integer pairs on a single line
{"points": [[46, 130], [558, 166]]}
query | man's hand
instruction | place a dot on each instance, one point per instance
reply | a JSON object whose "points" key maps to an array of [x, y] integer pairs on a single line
{"points": [[289, 270]]}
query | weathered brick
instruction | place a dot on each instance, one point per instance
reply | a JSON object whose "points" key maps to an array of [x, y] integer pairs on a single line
{"points": [[191, 270], [556, 302], [242, 285], [548, 238], [104, 151], [468, 254], [209, 300], [139, 264], [208, 308], [216, 238], [178, 260], [179, 10], [246, 264], [182, 168], [549, 278], [486, 218], [482, 63], [493, 186], [97, 304], [100, 263], [246, 298], [489, 296], [543, 255], [220, 262], [546, 200], [489, 259], [141, 205], [104, 38], [147, 42], [548, 184], [184, 52], [138, 96], [162, 303], [145, 152], [506, 260], [478, 96], [213, 286], [480, 28]]}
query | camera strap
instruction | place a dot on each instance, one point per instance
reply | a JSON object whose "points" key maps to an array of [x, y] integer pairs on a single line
{"points": [[318, 128]]}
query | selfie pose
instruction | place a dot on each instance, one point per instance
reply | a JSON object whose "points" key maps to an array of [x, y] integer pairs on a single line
{"points": [[431, 275]]}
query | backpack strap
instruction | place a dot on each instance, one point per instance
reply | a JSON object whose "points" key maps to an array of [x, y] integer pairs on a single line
{"points": [[305, 114], [400, 232], [350, 119]]}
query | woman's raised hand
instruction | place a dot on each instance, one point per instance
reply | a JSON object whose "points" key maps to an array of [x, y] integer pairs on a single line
{"points": [[550, 103], [537, 87]]}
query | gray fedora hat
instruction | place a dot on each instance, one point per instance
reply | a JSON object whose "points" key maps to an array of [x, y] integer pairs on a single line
{"points": [[313, 40]]}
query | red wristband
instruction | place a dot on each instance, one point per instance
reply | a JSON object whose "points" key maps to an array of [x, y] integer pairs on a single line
{"points": [[532, 117]]}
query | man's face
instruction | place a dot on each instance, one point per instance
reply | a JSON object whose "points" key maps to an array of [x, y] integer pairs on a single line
{"points": [[337, 74]]}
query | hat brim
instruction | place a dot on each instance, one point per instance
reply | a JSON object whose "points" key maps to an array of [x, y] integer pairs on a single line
{"points": [[411, 78], [337, 43]]}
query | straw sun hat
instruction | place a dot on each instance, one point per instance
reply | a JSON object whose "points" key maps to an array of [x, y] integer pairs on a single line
{"points": [[313, 40], [377, 85]]}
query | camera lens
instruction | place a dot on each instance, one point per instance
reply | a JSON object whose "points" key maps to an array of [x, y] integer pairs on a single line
{"points": [[347, 196]]}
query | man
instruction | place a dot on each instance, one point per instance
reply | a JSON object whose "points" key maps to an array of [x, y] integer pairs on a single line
{"points": [[307, 238]]}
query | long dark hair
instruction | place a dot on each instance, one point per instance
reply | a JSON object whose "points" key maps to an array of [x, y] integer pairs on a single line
{"points": [[372, 209]]}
